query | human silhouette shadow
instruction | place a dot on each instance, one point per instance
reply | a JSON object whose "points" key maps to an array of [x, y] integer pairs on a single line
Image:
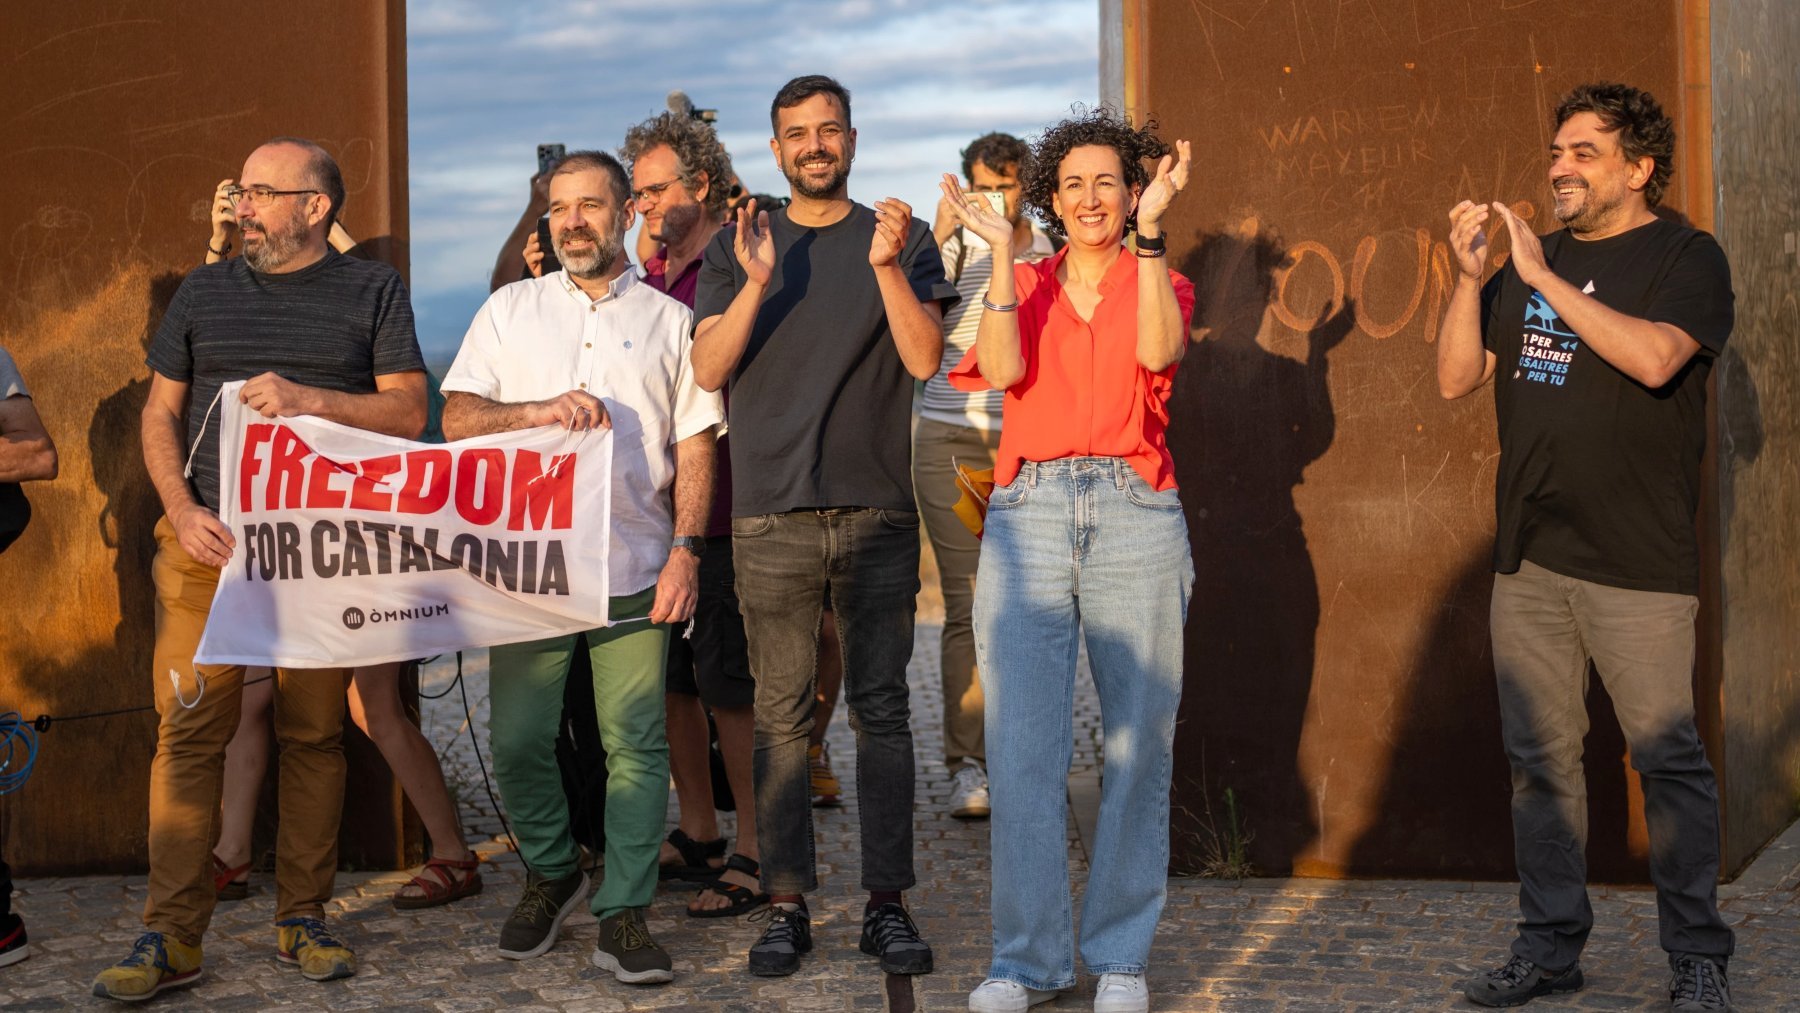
{"points": [[131, 508], [1249, 422]]}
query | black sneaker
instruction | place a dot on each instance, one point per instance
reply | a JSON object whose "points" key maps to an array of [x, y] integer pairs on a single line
{"points": [[1519, 982], [789, 934], [627, 950], [1698, 984], [888, 932], [531, 929], [14, 947]]}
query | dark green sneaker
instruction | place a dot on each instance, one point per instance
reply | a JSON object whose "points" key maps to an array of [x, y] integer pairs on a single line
{"points": [[627, 950], [1698, 984], [531, 929], [1519, 981], [789, 934]]}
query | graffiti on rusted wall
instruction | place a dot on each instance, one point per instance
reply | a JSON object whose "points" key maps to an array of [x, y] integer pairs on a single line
{"points": [[119, 126]]}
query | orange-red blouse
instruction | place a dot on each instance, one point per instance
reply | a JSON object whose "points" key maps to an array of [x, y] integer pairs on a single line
{"points": [[1083, 393]]}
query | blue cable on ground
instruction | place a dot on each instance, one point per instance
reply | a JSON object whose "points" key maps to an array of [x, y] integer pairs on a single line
{"points": [[16, 737]]}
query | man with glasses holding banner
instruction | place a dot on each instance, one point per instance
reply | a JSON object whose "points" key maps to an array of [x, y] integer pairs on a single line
{"points": [[312, 332]]}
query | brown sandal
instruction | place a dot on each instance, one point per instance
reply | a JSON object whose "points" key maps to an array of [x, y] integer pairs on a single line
{"points": [[226, 883], [449, 880]]}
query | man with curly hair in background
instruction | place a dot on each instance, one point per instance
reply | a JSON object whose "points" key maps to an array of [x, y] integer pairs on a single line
{"points": [[1601, 335], [680, 184]]}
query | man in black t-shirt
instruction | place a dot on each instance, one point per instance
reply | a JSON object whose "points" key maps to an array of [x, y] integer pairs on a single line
{"points": [[1601, 336], [312, 332], [820, 317]]}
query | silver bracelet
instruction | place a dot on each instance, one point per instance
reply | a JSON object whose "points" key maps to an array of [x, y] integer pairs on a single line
{"points": [[997, 308]]}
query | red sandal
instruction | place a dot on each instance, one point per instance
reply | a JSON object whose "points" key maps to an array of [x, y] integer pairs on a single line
{"points": [[449, 880], [226, 881]]}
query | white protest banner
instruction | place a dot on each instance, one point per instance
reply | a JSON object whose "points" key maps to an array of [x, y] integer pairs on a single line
{"points": [[355, 548]]}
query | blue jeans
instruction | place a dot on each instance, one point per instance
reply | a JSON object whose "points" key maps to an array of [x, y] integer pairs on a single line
{"points": [[870, 558], [1079, 545]]}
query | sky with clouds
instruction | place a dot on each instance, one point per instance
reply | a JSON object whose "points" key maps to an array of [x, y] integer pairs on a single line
{"points": [[488, 82]]}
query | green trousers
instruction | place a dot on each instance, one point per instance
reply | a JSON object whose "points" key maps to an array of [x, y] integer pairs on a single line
{"points": [[525, 689]]}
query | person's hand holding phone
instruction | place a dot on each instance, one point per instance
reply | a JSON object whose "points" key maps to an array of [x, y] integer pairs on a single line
{"points": [[224, 218]]}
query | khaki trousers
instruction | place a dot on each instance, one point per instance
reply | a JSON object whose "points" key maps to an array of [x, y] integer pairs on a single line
{"points": [[935, 445], [187, 774]]}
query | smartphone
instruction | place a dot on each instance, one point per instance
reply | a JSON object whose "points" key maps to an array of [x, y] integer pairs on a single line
{"points": [[549, 155], [551, 263], [996, 200]]}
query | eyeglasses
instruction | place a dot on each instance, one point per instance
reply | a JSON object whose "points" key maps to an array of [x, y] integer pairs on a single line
{"points": [[654, 190], [260, 196]]}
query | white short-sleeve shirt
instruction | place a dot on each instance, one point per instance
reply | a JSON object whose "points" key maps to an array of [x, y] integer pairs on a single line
{"points": [[538, 338]]}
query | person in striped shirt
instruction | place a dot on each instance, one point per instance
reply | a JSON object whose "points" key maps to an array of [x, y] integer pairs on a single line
{"points": [[964, 428]]}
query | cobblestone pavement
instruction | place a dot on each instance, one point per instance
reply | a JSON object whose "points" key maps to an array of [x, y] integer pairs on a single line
{"points": [[1258, 945]]}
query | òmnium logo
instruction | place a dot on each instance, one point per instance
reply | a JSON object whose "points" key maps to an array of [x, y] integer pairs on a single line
{"points": [[429, 610], [353, 618]]}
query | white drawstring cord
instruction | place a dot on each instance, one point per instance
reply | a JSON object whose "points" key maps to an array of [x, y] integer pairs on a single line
{"points": [[187, 470], [199, 680]]}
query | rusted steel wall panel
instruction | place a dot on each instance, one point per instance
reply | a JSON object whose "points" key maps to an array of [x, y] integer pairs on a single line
{"points": [[121, 119], [1756, 110], [1339, 679]]}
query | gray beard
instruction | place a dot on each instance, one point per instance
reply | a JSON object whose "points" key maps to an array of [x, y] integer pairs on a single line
{"points": [[273, 250], [591, 264]]}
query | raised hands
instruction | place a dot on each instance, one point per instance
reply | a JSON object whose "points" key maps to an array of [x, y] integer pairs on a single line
{"points": [[1171, 179], [534, 255], [1527, 249], [754, 243], [224, 216], [1468, 241], [893, 221], [975, 214]]}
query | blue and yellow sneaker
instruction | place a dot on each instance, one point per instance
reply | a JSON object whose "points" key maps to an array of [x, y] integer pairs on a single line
{"points": [[156, 962], [305, 942]]}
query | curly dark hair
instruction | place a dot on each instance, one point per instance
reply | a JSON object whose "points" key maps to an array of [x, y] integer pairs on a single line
{"points": [[996, 151], [1103, 126], [697, 150], [1644, 129]]}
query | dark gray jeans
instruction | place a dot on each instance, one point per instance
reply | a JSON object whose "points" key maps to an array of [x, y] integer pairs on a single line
{"points": [[870, 559], [1546, 627]]}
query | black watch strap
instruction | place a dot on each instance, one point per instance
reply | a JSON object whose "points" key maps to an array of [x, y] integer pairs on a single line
{"points": [[693, 543]]}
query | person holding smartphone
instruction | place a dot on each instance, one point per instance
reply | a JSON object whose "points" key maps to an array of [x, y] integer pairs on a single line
{"points": [[1084, 537], [961, 427]]}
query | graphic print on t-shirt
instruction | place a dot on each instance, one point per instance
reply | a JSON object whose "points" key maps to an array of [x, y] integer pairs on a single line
{"points": [[1547, 346]]}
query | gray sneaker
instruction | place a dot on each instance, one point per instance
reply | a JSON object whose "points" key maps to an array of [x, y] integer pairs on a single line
{"points": [[969, 798], [1698, 984], [1519, 981], [627, 950], [531, 929]]}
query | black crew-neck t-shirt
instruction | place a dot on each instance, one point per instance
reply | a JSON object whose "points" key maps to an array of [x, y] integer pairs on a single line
{"points": [[1599, 475], [821, 405], [336, 324]]}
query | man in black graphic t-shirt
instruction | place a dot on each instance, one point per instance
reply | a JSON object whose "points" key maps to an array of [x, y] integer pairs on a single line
{"points": [[1599, 338]]}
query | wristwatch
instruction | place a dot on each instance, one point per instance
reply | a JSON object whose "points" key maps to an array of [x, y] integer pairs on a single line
{"points": [[693, 543]]}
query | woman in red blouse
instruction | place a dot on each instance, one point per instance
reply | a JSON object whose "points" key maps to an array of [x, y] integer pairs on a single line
{"points": [[1084, 538]]}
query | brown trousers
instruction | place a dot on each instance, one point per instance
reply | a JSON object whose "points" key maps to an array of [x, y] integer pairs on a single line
{"points": [[188, 774]]}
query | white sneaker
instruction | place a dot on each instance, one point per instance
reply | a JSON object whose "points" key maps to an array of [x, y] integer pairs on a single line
{"points": [[997, 995], [1121, 993], [969, 799]]}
